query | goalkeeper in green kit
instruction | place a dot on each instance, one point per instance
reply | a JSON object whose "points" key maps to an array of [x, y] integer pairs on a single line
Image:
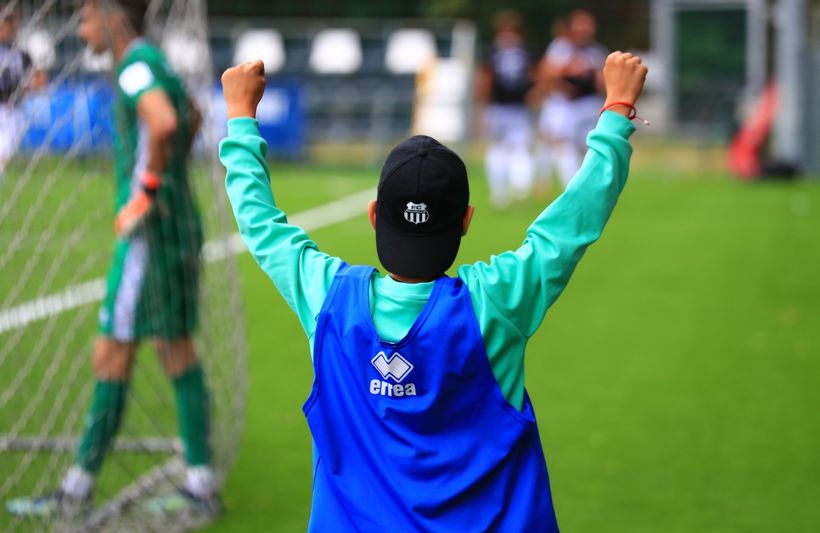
{"points": [[152, 285]]}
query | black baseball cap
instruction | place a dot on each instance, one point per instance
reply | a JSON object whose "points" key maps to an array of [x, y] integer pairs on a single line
{"points": [[422, 197]]}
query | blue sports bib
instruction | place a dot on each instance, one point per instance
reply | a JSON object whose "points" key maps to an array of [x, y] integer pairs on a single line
{"points": [[416, 436]]}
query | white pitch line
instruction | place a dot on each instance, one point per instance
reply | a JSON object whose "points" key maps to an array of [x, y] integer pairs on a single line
{"points": [[93, 290]]}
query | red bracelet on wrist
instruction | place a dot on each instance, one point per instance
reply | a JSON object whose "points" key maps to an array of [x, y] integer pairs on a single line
{"points": [[633, 112], [150, 182]]}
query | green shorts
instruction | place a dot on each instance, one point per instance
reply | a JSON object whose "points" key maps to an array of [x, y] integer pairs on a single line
{"points": [[152, 291]]}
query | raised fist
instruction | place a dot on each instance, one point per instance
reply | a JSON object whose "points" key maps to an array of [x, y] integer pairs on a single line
{"points": [[243, 87], [624, 76]]}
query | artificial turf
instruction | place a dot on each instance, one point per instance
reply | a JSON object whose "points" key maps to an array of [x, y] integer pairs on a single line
{"points": [[676, 381]]}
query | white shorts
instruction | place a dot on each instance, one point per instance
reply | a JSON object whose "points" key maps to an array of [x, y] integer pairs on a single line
{"points": [[569, 120], [508, 124], [11, 132]]}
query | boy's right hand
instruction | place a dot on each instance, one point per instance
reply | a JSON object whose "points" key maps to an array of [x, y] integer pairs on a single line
{"points": [[243, 87], [624, 76]]}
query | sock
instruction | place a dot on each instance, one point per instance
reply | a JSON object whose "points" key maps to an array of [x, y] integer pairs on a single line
{"points": [[77, 483], [199, 481], [192, 410], [101, 424]]}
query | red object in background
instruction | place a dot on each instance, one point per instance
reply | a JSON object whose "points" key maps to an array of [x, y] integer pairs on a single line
{"points": [[746, 148]]}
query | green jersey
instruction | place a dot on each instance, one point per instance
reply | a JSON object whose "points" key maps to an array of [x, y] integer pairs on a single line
{"points": [[153, 280], [143, 69]]}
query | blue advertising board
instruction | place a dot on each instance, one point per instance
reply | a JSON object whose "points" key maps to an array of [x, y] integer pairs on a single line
{"points": [[78, 117], [280, 114], [73, 116]]}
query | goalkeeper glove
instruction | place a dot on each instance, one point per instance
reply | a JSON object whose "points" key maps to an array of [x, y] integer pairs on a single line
{"points": [[138, 207]]}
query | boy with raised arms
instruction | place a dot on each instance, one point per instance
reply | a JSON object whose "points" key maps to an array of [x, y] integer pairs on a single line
{"points": [[418, 410]]}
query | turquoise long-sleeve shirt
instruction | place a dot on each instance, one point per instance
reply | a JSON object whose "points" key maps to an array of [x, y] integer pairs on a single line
{"points": [[510, 293]]}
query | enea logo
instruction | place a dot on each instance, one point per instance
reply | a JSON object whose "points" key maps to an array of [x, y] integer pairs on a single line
{"points": [[395, 368]]}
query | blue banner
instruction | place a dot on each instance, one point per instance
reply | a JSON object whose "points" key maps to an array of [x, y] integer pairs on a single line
{"points": [[72, 116], [281, 117], [78, 117]]}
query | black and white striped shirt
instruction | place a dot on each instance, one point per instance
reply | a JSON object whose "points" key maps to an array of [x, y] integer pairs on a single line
{"points": [[15, 68]]}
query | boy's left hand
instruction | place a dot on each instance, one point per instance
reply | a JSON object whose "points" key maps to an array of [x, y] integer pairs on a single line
{"points": [[243, 87]]}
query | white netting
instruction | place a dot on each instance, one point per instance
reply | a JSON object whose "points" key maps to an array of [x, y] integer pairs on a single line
{"points": [[56, 242]]}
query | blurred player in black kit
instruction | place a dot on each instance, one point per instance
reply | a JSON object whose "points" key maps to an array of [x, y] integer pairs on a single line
{"points": [[571, 78], [14, 68], [502, 85], [17, 75]]}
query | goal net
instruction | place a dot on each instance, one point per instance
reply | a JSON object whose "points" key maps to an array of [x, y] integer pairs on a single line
{"points": [[56, 242]]}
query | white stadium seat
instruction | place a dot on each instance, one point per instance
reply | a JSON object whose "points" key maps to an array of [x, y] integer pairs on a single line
{"points": [[185, 52], [409, 50], [336, 51], [266, 45]]}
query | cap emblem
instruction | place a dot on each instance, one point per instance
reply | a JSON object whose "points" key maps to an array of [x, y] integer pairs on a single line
{"points": [[416, 213]]}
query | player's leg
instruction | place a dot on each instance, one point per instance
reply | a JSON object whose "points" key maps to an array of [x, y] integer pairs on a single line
{"points": [[174, 319], [567, 152], [193, 410], [495, 160], [556, 124], [112, 362], [580, 121], [199, 491], [519, 140], [544, 147], [568, 157], [192, 401], [113, 355], [113, 358]]}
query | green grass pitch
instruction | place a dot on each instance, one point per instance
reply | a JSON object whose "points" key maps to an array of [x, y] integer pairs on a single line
{"points": [[676, 381]]}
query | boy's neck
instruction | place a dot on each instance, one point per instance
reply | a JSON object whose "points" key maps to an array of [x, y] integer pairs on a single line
{"points": [[405, 279]]}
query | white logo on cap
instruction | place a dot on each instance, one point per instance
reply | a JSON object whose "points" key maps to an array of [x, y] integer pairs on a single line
{"points": [[416, 213]]}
